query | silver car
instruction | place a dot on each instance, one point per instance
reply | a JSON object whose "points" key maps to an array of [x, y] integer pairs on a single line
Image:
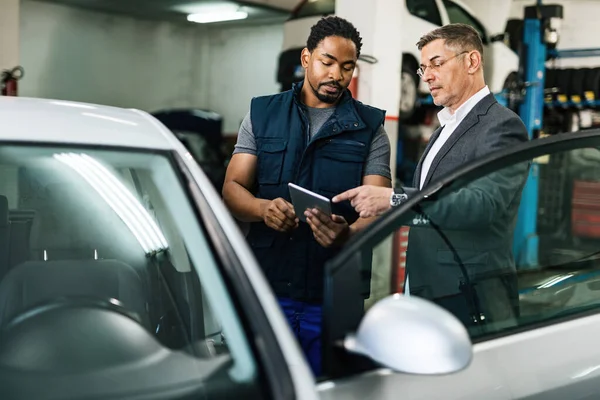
{"points": [[123, 276]]}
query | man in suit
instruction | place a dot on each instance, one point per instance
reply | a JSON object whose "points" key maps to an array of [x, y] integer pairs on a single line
{"points": [[460, 250]]}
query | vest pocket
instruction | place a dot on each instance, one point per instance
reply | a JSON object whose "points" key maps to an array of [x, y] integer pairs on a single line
{"points": [[270, 161], [340, 165], [344, 150]]}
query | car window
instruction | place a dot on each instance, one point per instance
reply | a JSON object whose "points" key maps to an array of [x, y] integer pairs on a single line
{"points": [[425, 9], [457, 14], [314, 8], [485, 247], [87, 230]]}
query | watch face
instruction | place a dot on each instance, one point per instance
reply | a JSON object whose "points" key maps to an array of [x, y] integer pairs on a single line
{"points": [[398, 198]]}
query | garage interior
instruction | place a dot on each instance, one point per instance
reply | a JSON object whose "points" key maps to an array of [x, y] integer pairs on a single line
{"points": [[149, 55]]}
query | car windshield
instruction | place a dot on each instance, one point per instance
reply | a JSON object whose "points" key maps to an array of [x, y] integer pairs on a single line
{"points": [[104, 270]]}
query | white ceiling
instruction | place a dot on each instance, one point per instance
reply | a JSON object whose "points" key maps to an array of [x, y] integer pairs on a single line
{"points": [[259, 11], [283, 4]]}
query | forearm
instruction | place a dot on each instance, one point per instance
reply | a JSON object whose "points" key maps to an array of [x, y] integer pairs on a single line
{"points": [[242, 204], [359, 225]]}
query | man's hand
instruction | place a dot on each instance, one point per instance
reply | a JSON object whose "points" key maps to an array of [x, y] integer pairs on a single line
{"points": [[367, 200], [328, 231], [279, 214]]}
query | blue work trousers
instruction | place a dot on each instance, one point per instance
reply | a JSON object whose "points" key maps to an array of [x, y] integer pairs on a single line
{"points": [[305, 320]]}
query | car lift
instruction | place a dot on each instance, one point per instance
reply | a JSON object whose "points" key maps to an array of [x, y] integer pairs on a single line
{"points": [[540, 36]]}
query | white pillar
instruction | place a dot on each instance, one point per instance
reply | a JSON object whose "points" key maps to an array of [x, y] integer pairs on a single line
{"points": [[9, 33], [379, 23]]}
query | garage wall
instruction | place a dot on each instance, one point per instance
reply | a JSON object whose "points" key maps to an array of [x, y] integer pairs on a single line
{"points": [[243, 64], [579, 30], [9, 33], [72, 54]]}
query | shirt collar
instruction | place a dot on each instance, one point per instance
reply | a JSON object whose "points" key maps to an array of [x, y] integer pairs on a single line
{"points": [[445, 117]]}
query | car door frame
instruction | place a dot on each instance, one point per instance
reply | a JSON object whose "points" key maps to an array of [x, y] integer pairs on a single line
{"points": [[271, 361], [337, 322]]}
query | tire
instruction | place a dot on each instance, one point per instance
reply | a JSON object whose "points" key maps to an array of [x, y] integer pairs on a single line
{"points": [[563, 80], [514, 28], [409, 91], [577, 83], [550, 81], [592, 82]]}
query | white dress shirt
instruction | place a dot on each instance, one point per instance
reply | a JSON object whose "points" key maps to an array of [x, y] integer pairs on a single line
{"points": [[449, 123]]}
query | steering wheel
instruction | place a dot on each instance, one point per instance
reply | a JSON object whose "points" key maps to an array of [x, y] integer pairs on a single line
{"points": [[73, 302]]}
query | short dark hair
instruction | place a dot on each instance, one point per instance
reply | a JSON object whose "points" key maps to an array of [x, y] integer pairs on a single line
{"points": [[333, 26], [461, 37]]}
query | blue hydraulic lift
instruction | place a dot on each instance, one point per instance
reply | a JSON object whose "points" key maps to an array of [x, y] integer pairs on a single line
{"points": [[540, 37], [533, 67]]}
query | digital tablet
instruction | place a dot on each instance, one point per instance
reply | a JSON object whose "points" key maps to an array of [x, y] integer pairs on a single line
{"points": [[303, 198]]}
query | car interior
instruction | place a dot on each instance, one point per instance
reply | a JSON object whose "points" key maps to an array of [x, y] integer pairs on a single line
{"points": [[79, 294]]}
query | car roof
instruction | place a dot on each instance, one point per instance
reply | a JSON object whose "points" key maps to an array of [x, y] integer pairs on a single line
{"points": [[67, 122]]}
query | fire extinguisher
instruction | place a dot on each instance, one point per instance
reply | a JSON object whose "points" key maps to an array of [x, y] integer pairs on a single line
{"points": [[8, 80]]}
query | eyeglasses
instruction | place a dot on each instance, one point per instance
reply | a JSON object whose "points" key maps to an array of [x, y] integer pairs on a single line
{"points": [[437, 64]]}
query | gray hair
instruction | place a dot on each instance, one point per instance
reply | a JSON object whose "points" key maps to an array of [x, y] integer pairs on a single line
{"points": [[460, 37]]}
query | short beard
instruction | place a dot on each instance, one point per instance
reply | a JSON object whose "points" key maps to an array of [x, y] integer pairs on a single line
{"points": [[326, 98]]}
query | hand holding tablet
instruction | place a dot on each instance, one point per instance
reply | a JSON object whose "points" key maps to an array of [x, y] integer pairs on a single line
{"points": [[304, 199]]}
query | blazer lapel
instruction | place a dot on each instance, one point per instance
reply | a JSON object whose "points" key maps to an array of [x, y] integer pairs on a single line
{"points": [[417, 175], [471, 119]]}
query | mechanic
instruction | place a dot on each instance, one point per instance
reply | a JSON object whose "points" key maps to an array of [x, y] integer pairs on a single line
{"points": [[481, 218], [316, 136]]}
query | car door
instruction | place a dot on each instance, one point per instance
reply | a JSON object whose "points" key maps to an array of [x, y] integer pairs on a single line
{"points": [[534, 328], [283, 372]]}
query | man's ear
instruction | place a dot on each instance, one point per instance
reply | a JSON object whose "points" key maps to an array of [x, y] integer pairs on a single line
{"points": [[475, 63], [305, 57]]}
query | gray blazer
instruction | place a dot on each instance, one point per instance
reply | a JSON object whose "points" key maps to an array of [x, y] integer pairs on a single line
{"points": [[479, 219]]}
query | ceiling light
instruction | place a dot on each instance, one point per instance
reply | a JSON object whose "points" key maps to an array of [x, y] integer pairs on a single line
{"points": [[217, 16]]}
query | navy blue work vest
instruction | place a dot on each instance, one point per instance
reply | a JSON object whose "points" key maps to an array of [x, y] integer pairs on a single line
{"points": [[330, 163]]}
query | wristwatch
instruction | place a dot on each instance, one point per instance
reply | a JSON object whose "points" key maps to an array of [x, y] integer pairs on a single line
{"points": [[397, 197]]}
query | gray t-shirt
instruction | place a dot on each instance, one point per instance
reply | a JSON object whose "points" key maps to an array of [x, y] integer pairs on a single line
{"points": [[378, 161]]}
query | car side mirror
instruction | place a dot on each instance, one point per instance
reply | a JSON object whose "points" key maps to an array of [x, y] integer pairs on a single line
{"points": [[500, 37], [412, 335]]}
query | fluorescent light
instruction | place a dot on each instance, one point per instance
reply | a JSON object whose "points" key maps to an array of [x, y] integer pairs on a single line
{"points": [[119, 198], [217, 16]]}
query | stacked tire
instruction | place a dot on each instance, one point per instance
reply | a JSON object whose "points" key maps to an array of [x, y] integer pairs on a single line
{"points": [[578, 85]]}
